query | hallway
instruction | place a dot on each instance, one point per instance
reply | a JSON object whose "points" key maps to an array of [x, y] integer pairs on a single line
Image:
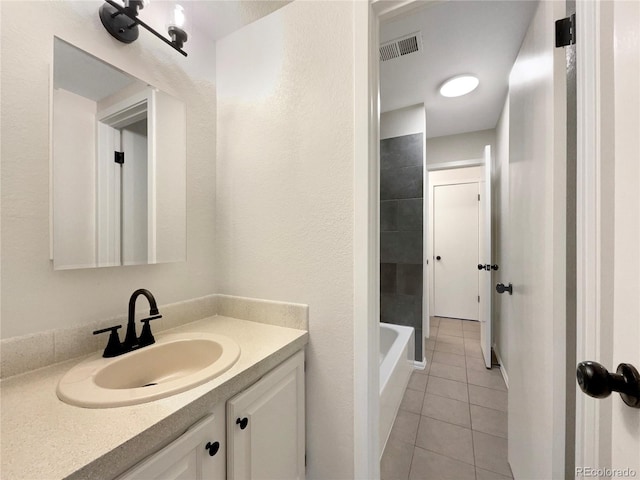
{"points": [[452, 423]]}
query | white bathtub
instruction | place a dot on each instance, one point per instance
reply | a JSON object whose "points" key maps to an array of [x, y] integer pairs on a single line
{"points": [[397, 347]]}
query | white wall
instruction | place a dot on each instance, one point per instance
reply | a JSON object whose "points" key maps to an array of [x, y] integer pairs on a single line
{"points": [[170, 180], [464, 146], [34, 296], [404, 121], [285, 196], [500, 211], [74, 117]]}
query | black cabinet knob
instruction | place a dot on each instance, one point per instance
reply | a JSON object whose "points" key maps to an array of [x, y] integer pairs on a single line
{"points": [[480, 266], [494, 267], [501, 288], [438, 257], [212, 448], [596, 381], [243, 422]]}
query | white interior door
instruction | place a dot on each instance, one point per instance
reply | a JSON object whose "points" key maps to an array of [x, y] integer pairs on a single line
{"points": [[455, 249], [537, 260], [485, 278]]}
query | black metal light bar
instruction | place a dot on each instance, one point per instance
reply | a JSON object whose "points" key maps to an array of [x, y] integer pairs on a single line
{"points": [[123, 11]]}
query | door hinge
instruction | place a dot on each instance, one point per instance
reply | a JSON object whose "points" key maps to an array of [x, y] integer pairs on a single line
{"points": [[119, 157], [478, 298], [305, 459], [566, 31], [478, 197]]}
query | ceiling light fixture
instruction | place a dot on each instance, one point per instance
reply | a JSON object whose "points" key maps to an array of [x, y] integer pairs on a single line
{"points": [[122, 23], [459, 85]]}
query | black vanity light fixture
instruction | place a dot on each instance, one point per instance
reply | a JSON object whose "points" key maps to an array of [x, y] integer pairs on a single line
{"points": [[122, 23]]}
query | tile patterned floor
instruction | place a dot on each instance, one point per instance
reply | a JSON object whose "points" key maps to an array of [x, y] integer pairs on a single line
{"points": [[452, 422]]}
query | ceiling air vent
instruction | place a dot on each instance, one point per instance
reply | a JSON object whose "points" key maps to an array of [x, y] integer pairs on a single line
{"points": [[401, 46]]}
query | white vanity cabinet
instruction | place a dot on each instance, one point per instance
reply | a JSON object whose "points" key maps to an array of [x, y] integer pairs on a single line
{"points": [[263, 437], [265, 426], [199, 453]]}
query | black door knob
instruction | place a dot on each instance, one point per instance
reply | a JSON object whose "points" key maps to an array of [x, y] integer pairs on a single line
{"points": [[596, 381], [242, 422], [501, 288], [480, 266], [438, 257], [494, 267], [212, 448]]}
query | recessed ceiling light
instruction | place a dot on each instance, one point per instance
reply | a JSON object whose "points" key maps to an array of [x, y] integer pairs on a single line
{"points": [[458, 86]]}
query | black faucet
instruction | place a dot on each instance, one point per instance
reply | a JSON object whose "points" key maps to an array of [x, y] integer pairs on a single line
{"points": [[131, 340]]}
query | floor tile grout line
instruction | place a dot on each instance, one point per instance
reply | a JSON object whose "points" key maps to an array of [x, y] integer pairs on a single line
{"points": [[493, 471], [457, 354], [490, 388], [473, 446], [492, 435], [447, 422], [484, 406], [448, 456]]}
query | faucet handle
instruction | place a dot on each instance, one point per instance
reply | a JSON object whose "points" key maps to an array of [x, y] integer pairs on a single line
{"points": [[114, 347], [146, 337]]}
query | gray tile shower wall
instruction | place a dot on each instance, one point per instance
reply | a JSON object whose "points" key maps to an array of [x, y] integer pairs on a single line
{"points": [[401, 237], [404, 151]]}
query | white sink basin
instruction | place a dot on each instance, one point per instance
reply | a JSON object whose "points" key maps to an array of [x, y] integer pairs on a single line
{"points": [[173, 364]]}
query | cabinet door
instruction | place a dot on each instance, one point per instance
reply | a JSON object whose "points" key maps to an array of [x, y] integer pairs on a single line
{"points": [[189, 457], [265, 426]]}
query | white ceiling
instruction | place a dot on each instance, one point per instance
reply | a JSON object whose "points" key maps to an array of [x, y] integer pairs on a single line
{"points": [[479, 37]]}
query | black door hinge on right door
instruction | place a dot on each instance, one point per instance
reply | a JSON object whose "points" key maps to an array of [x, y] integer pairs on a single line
{"points": [[566, 31]]}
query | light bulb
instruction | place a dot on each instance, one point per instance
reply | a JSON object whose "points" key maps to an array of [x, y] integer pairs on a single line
{"points": [[176, 27], [178, 17]]}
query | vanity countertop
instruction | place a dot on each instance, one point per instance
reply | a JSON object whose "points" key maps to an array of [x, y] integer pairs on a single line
{"points": [[43, 438]]}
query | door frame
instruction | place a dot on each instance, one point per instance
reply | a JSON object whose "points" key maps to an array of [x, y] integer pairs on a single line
{"points": [[366, 252], [366, 228], [592, 341], [367, 16]]}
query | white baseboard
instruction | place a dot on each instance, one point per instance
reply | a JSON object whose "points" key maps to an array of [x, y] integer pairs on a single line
{"points": [[502, 369]]}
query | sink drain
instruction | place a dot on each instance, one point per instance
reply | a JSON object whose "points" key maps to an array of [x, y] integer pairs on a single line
{"points": [[149, 384]]}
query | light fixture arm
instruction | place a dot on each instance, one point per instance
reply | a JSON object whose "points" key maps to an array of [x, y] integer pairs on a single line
{"points": [[136, 21]]}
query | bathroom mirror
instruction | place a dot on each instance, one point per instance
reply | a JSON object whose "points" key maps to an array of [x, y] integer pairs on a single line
{"points": [[118, 172]]}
